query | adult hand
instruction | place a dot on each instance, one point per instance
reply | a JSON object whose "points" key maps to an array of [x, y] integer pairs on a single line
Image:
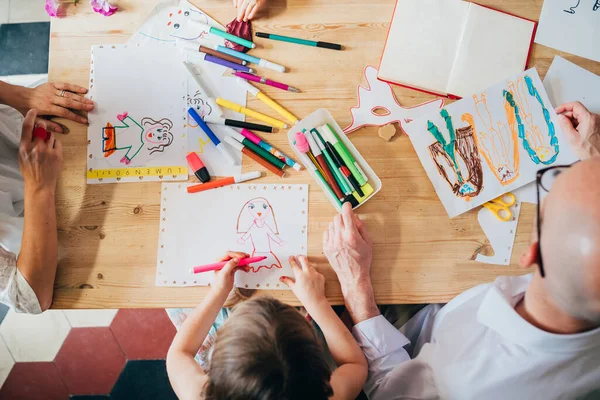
{"points": [[307, 284], [55, 99], [582, 129], [223, 281], [40, 160], [247, 9]]}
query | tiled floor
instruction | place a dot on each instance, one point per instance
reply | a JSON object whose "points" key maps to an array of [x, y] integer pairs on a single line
{"points": [[107, 353]]}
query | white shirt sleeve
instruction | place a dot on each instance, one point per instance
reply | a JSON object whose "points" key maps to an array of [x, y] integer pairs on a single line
{"points": [[14, 289]]}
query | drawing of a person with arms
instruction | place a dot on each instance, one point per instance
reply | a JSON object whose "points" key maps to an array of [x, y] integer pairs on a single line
{"points": [[256, 222]]}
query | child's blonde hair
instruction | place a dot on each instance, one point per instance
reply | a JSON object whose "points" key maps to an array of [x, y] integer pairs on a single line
{"points": [[267, 350]]}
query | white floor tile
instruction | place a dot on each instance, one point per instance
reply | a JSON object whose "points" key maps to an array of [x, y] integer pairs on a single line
{"points": [[90, 318], [6, 362], [4, 11], [34, 337], [28, 11]]}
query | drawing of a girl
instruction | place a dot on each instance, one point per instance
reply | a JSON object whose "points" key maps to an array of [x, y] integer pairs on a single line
{"points": [[132, 137], [256, 222]]}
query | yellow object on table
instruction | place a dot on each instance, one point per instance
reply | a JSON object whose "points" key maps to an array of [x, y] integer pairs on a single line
{"points": [[500, 206], [251, 113]]}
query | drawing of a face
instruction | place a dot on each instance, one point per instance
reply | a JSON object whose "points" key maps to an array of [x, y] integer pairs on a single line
{"points": [[180, 28], [202, 108], [157, 134], [259, 209]]}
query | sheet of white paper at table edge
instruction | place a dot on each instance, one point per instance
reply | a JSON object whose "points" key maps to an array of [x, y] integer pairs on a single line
{"points": [[572, 26], [188, 218], [171, 105]]}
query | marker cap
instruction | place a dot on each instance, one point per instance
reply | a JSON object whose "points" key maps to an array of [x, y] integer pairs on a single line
{"points": [[233, 143], [248, 176], [301, 143]]}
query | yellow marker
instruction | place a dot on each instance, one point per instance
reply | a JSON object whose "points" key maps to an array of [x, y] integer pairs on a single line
{"points": [[267, 100], [367, 190], [254, 114]]}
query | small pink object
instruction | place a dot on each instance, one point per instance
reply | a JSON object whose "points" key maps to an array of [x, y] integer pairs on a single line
{"points": [[103, 7], [220, 265], [301, 143], [250, 136], [121, 117], [52, 7]]}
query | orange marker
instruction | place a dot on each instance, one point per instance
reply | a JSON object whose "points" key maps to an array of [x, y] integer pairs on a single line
{"points": [[224, 182], [239, 146]]}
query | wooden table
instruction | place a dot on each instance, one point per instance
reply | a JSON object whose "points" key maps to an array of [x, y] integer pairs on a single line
{"points": [[108, 233]]}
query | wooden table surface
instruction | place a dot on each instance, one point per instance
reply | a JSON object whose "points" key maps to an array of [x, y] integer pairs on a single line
{"points": [[108, 233]]}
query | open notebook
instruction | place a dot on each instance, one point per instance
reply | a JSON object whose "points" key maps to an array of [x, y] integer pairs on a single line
{"points": [[453, 47]]}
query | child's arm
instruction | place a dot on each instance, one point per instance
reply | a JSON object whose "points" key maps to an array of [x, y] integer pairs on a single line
{"points": [[186, 376], [309, 286]]}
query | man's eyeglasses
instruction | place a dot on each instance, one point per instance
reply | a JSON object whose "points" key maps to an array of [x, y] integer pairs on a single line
{"points": [[544, 180]]}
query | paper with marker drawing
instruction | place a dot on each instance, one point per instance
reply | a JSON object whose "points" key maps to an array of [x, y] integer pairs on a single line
{"points": [[260, 219], [137, 128], [572, 26], [490, 143]]}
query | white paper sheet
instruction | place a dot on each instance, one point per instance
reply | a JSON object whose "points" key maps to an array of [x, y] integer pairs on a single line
{"points": [[260, 219], [572, 26], [566, 82], [139, 119], [501, 234], [489, 150]]}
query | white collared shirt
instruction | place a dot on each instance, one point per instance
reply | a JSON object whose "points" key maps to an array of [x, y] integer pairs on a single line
{"points": [[478, 347]]}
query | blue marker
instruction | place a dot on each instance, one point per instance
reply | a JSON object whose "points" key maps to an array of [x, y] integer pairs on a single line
{"points": [[213, 138], [255, 60]]}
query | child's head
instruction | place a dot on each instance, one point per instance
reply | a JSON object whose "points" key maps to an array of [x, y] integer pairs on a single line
{"points": [[266, 350]]}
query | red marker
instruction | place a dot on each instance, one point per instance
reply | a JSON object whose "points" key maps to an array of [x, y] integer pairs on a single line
{"points": [[198, 167], [219, 265], [41, 133]]}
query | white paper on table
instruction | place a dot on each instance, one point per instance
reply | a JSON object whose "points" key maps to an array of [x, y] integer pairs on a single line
{"points": [[139, 118], [572, 26], [491, 157], [501, 234], [261, 219], [566, 82]]}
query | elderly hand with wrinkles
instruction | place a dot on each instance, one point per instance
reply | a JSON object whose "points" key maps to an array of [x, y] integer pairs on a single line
{"points": [[51, 100]]}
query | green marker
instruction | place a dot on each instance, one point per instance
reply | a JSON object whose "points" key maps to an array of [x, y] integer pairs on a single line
{"points": [[341, 179], [257, 149], [223, 34], [350, 162], [305, 42]]}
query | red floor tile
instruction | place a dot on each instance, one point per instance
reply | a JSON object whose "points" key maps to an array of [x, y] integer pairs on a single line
{"points": [[34, 381], [144, 334], [90, 361]]}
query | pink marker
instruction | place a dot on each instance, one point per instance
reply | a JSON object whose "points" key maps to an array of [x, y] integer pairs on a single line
{"points": [[219, 265], [266, 146]]}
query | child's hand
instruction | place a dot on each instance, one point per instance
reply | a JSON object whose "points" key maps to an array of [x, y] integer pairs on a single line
{"points": [[308, 284], [248, 8], [223, 281]]}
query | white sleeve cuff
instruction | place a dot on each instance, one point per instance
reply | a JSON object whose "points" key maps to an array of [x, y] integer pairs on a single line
{"points": [[378, 338]]}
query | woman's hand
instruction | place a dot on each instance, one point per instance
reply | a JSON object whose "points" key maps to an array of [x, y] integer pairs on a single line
{"points": [[247, 9], [40, 160], [223, 281], [54, 99], [307, 284]]}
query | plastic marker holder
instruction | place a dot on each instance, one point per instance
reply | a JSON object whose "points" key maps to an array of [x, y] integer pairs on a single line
{"points": [[213, 138], [317, 119]]}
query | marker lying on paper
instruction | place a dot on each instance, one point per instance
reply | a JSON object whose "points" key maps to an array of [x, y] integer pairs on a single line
{"points": [[223, 34], [194, 48], [244, 150], [223, 62], [251, 113], [219, 265], [239, 124], [210, 99], [224, 182], [255, 60], [213, 138], [198, 167], [254, 91], [264, 81]]}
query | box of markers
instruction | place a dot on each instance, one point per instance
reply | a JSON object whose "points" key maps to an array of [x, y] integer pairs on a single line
{"points": [[332, 160]]}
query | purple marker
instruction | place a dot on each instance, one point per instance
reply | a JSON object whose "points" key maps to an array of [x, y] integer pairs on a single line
{"points": [[228, 64]]}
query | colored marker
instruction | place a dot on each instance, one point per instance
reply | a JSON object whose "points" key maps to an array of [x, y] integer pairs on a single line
{"points": [[238, 124], [332, 166], [344, 169], [349, 160], [198, 167], [265, 81], [210, 99], [258, 141], [305, 42], [321, 160], [240, 147], [312, 167], [213, 138], [225, 63], [224, 182], [251, 113], [255, 60], [223, 34], [193, 48], [219, 265], [267, 100], [258, 150]]}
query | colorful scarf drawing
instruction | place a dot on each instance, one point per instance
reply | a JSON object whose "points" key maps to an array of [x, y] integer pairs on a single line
{"points": [[256, 222]]}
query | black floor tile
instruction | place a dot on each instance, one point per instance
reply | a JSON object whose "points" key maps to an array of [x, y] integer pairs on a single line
{"points": [[143, 380], [24, 48]]}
